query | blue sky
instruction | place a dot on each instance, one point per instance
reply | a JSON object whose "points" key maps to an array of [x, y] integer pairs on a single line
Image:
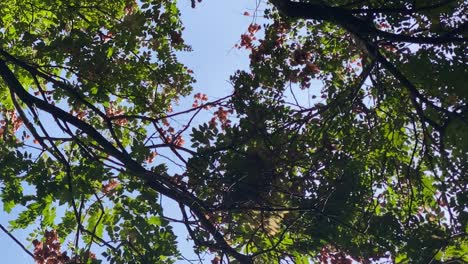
{"points": [[212, 29]]}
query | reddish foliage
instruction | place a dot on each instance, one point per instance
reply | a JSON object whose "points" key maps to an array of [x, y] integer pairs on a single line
{"points": [[179, 141], [199, 99], [312, 67], [15, 120], [12, 123], [130, 7], [2, 127], [110, 186], [151, 157], [383, 25], [246, 41], [176, 38], [248, 38], [112, 111], [215, 260], [48, 252], [253, 28], [165, 122], [222, 115], [169, 135], [80, 114], [327, 256]]}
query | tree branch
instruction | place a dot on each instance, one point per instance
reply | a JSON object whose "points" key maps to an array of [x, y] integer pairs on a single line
{"points": [[344, 18], [16, 241]]}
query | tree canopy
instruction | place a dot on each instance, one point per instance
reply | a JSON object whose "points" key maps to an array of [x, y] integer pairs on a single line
{"points": [[373, 166]]}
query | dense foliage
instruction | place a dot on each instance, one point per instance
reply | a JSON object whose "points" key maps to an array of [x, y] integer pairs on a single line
{"points": [[373, 166]]}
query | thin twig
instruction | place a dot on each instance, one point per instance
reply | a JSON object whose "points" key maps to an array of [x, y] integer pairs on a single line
{"points": [[16, 240]]}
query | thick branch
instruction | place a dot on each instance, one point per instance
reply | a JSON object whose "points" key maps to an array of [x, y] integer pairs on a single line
{"points": [[401, 10], [344, 18]]}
